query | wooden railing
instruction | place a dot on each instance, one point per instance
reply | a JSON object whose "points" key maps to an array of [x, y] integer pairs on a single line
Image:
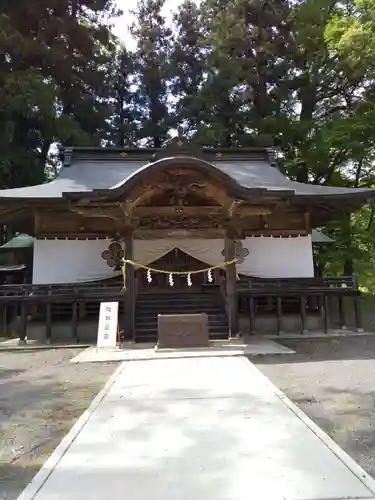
{"points": [[64, 290], [62, 302], [79, 302], [309, 294], [345, 282]]}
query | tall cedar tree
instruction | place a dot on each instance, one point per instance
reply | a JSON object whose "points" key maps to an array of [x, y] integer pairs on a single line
{"points": [[52, 67], [123, 122], [152, 69], [187, 68], [249, 62]]}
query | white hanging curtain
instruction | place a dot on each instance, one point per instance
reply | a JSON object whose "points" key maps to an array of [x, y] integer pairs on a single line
{"points": [[147, 251], [278, 257], [207, 251], [70, 261]]}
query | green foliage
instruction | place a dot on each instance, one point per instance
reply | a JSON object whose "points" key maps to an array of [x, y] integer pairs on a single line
{"points": [[54, 57], [295, 75], [354, 240], [151, 66]]}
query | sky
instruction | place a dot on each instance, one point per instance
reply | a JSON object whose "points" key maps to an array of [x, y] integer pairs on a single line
{"points": [[122, 23]]}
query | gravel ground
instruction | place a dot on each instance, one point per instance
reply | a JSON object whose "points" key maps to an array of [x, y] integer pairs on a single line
{"points": [[333, 382], [41, 396]]}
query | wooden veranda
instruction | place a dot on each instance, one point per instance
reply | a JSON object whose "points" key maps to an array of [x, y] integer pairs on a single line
{"points": [[75, 304]]}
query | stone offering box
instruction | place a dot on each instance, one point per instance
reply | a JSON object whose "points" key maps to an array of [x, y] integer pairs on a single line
{"points": [[182, 330]]}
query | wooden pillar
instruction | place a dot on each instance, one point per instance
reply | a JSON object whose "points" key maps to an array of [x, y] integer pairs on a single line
{"points": [[23, 329], [231, 288], [303, 313], [279, 313], [49, 317], [129, 306], [326, 312], [358, 312], [5, 319], [341, 312], [75, 316]]}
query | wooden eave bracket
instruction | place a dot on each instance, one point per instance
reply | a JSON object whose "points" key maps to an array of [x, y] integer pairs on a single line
{"points": [[7, 214], [94, 213]]}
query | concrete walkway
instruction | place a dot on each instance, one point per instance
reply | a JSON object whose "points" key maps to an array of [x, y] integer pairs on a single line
{"points": [[197, 429], [141, 352]]}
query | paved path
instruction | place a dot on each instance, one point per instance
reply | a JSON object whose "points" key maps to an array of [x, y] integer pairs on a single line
{"points": [[256, 346], [199, 429]]}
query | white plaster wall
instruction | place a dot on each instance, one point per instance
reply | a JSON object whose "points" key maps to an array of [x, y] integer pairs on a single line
{"points": [[70, 261], [278, 257]]}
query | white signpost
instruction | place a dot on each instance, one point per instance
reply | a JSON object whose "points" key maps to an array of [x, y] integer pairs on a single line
{"points": [[107, 328]]}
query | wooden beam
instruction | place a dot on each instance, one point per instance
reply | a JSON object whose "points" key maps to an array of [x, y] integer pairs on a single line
{"points": [[244, 210], [126, 209], [218, 194], [76, 236], [9, 214], [97, 212], [152, 234], [233, 207], [241, 211], [177, 210], [276, 232]]}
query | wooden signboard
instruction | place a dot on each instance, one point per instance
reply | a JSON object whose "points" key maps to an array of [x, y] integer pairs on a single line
{"points": [[107, 328]]}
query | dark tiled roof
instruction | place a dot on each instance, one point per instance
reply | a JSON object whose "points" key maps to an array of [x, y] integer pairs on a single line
{"points": [[98, 172], [85, 176], [79, 177]]}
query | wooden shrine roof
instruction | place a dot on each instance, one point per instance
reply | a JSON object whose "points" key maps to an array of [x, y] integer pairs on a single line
{"points": [[93, 173]]}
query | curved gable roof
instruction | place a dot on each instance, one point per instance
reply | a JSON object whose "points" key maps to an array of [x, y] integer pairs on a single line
{"points": [[108, 172], [89, 175], [227, 176]]}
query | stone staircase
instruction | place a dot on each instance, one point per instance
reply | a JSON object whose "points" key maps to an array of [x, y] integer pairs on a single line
{"points": [[148, 306]]}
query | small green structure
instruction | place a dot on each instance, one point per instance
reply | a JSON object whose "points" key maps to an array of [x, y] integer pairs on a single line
{"points": [[18, 242], [16, 257], [319, 238]]}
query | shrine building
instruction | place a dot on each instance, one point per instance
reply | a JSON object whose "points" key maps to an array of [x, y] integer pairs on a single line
{"points": [[229, 213]]}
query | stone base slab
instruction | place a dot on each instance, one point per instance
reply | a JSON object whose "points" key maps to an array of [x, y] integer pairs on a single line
{"points": [[182, 330]]}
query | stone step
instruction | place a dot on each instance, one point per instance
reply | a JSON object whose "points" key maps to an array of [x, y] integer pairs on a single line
{"points": [[187, 300], [176, 294], [213, 320], [189, 308], [211, 327], [154, 314], [177, 310], [150, 334], [153, 326], [154, 317], [149, 306]]}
